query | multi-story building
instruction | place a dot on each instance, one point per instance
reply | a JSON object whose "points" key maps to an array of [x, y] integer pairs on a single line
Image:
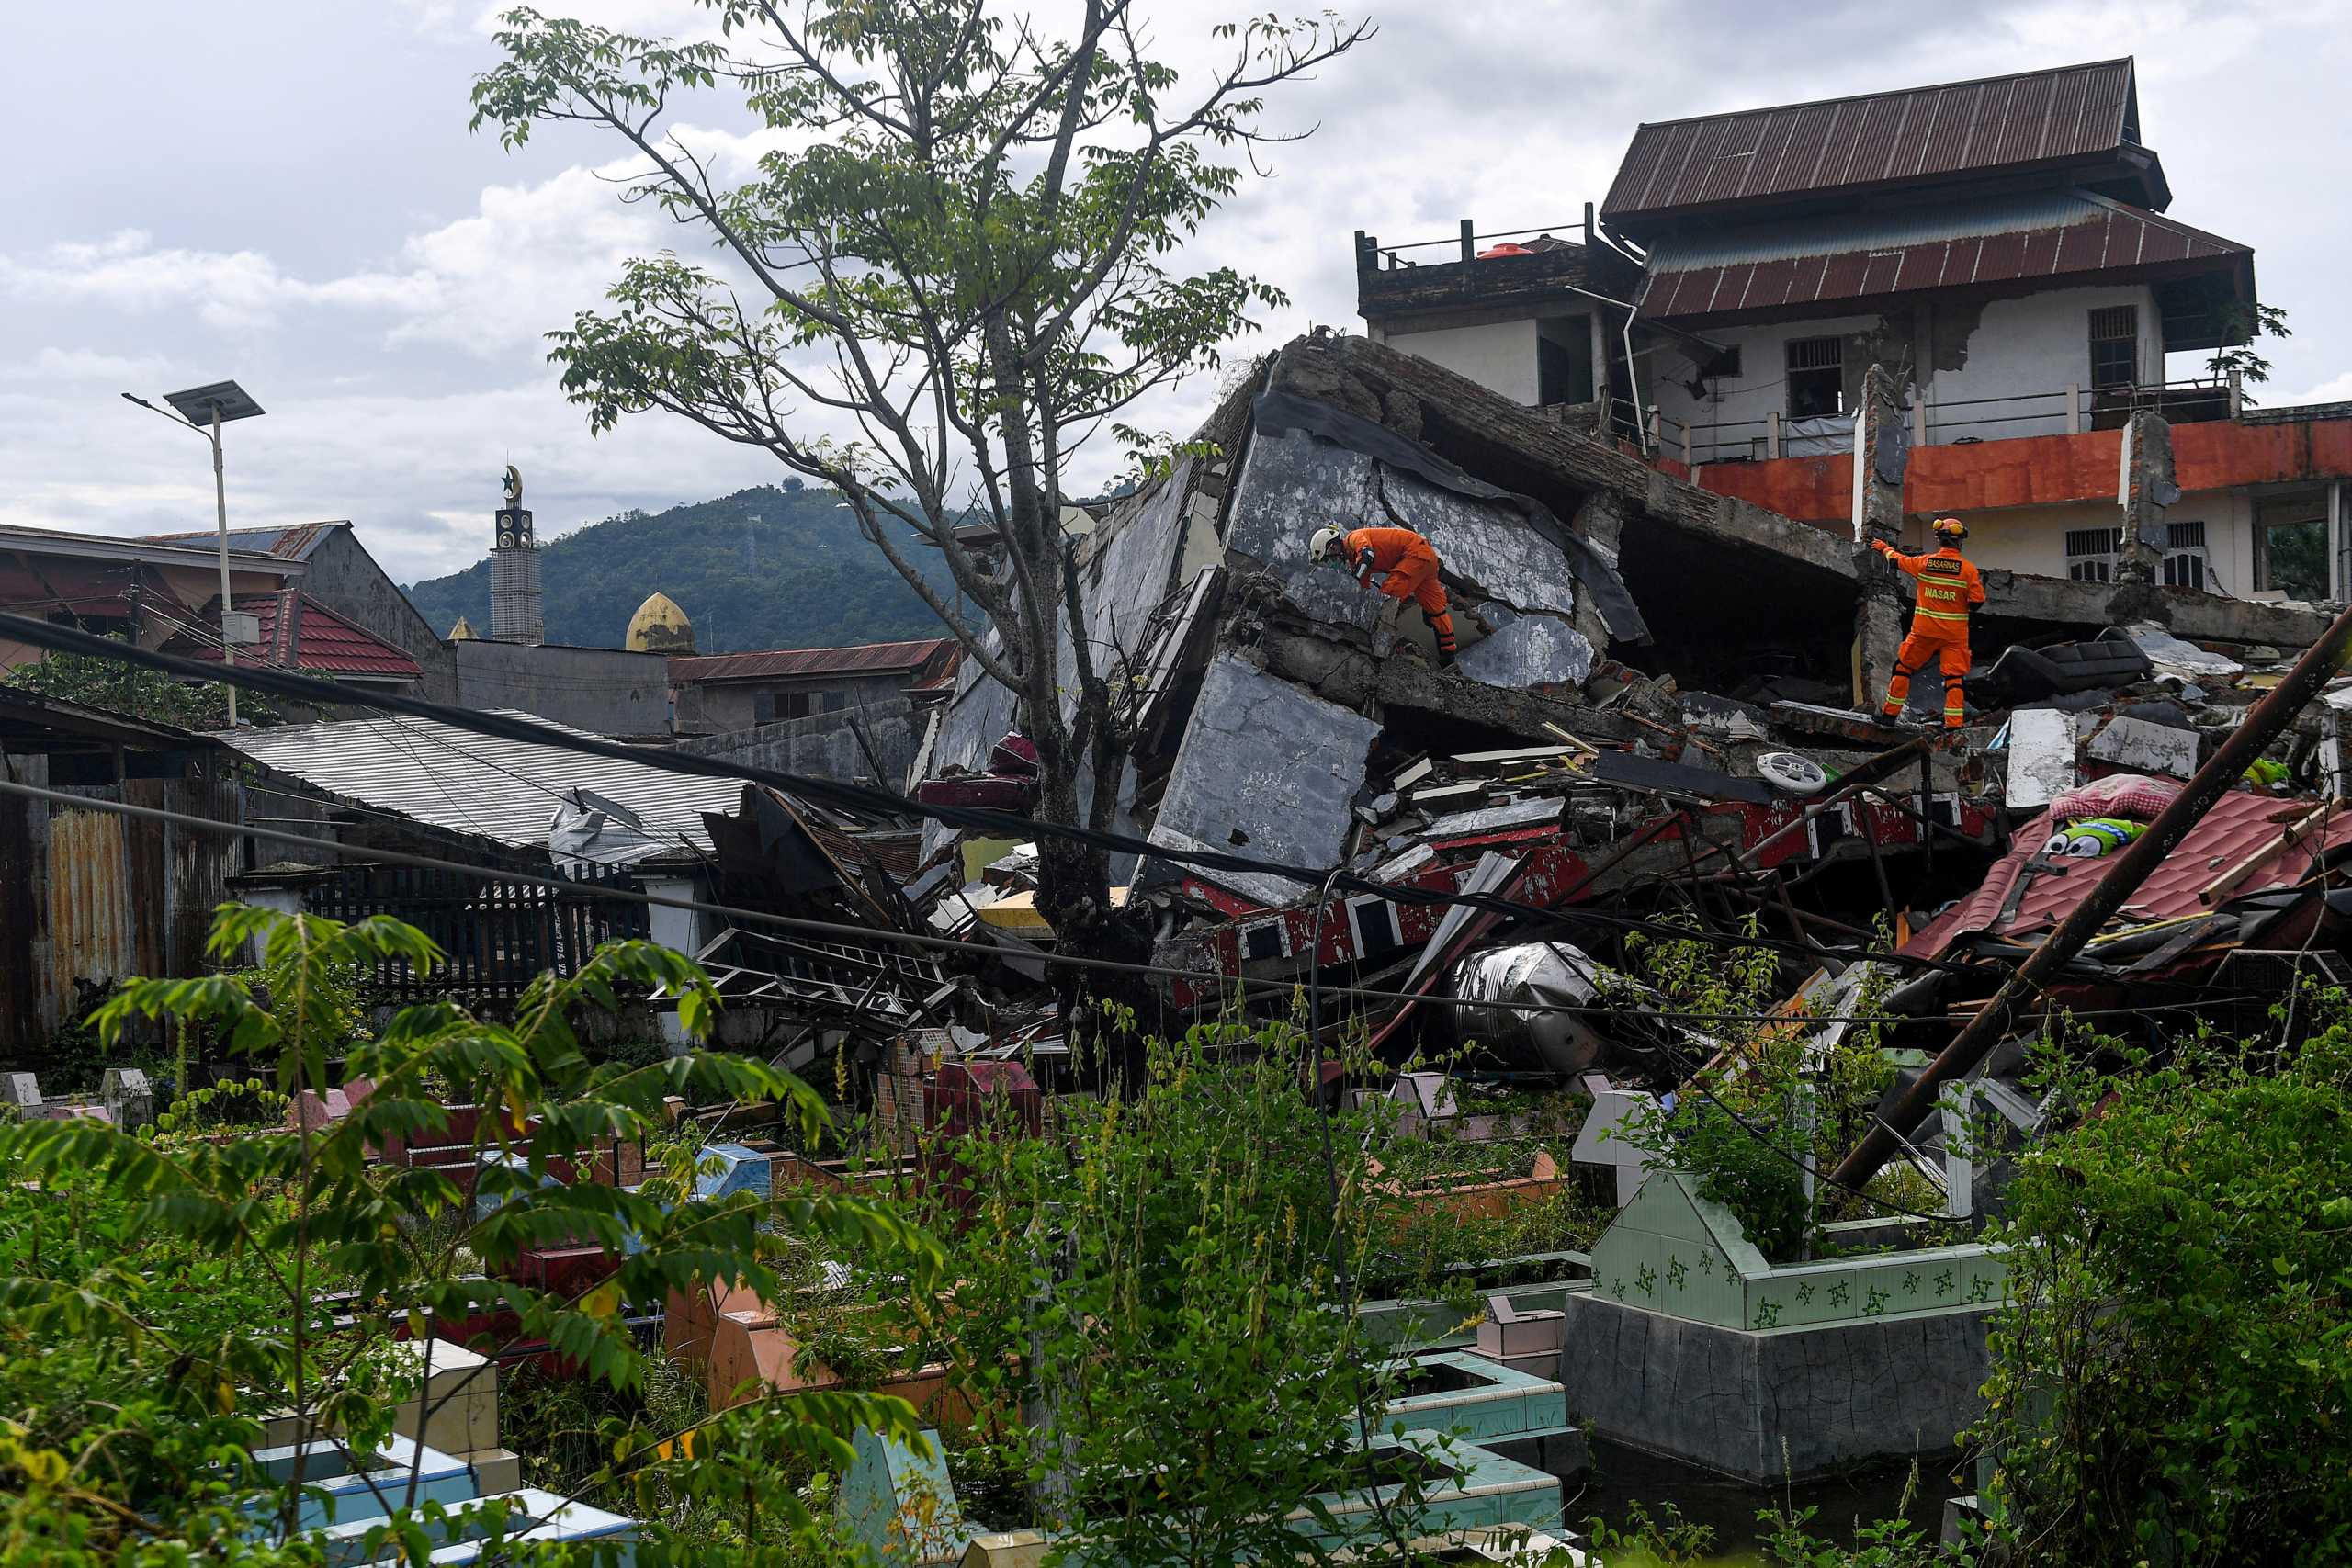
{"points": [[2001, 246]]}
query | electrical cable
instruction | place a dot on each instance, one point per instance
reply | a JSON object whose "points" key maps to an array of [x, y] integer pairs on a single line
{"points": [[861, 800], [873, 935]]}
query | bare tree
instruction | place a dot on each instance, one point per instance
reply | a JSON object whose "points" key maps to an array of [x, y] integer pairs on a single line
{"points": [[962, 245]]}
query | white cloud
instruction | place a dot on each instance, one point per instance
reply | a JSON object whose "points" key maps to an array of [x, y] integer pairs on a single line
{"points": [[401, 373], [55, 365], [2336, 389]]}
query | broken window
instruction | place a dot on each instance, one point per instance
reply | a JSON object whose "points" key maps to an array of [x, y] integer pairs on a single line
{"points": [[2115, 347], [2290, 544], [2091, 553], [1816, 377]]}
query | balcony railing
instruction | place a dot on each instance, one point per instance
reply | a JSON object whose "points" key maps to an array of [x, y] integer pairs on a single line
{"points": [[2067, 411]]}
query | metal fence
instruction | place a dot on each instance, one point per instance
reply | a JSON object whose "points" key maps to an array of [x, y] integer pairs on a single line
{"points": [[2067, 411], [498, 936]]}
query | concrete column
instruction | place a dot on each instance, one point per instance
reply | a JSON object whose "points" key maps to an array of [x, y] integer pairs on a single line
{"points": [[682, 930], [1877, 515], [2145, 487], [286, 901]]}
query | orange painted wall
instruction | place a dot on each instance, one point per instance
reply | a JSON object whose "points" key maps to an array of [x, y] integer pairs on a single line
{"points": [[2045, 470]]}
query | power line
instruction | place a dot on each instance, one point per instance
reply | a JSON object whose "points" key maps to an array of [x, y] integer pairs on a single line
{"points": [[873, 935], [871, 801]]}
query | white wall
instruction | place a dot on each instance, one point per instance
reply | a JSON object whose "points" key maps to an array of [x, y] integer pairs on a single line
{"points": [[1722, 425], [2033, 538], [1498, 355], [2037, 345]]}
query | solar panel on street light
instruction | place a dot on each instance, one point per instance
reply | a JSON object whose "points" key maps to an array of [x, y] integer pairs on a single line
{"points": [[198, 404]]}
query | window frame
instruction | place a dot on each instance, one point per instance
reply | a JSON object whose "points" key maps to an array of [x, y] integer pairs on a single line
{"points": [[2127, 317], [1831, 375], [2297, 509]]}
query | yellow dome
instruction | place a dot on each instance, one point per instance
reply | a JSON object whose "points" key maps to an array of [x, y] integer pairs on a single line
{"points": [[659, 626], [462, 632]]}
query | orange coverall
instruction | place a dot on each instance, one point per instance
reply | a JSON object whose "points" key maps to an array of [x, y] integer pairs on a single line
{"points": [[1947, 588], [1412, 566]]}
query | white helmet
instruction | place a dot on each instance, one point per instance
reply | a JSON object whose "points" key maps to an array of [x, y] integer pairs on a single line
{"points": [[1325, 538]]}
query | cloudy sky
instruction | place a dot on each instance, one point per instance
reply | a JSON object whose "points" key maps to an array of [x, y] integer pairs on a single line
{"points": [[285, 192]]}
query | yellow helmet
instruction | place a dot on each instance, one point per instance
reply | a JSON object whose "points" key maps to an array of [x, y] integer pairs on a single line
{"points": [[1951, 530]]}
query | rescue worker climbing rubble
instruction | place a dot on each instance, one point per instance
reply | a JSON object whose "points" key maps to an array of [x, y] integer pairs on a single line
{"points": [[1948, 586], [1410, 567]]}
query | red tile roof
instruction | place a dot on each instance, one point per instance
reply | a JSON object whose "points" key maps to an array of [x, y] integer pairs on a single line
{"points": [[300, 634], [796, 663], [2236, 827], [2102, 236], [1905, 137]]}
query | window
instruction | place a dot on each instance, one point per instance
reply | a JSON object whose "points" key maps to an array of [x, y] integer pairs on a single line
{"points": [[2290, 544], [762, 707], [2184, 555], [835, 701], [2115, 347], [2091, 553], [1816, 377], [1721, 366]]}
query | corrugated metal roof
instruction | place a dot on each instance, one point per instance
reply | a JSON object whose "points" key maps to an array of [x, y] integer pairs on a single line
{"points": [[874, 658], [1868, 257], [288, 544], [506, 791], [1913, 134], [300, 633], [2235, 827]]}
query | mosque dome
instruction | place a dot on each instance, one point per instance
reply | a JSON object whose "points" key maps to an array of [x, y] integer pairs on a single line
{"points": [[659, 626], [463, 632]]}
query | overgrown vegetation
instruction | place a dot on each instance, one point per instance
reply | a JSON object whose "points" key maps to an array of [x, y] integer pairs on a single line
{"points": [[2173, 1382], [1146, 1322], [159, 1295], [127, 688]]}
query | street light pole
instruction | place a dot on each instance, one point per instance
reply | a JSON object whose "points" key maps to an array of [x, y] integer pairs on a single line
{"points": [[220, 512], [203, 410]]}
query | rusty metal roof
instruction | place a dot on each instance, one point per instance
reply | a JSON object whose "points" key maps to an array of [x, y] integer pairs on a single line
{"points": [[2009, 239], [2236, 827], [1910, 136], [800, 663]]}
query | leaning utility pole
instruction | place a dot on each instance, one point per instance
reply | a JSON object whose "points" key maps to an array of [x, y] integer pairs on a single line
{"points": [[2263, 723]]}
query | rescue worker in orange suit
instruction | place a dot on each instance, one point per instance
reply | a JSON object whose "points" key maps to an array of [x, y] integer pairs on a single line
{"points": [[1409, 566], [1948, 586]]}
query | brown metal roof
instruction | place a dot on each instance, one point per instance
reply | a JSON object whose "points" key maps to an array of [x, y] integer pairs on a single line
{"points": [[2099, 236], [1917, 133], [796, 663], [2235, 827]]}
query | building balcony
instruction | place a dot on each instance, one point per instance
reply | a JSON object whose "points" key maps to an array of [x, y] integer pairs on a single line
{"points": [[2017, 465]]}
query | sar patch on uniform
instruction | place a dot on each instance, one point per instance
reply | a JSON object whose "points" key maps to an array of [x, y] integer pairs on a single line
{"points": [[1943, 567]]}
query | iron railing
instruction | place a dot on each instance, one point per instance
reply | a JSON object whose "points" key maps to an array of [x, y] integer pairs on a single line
{"points": [[498, 936]]}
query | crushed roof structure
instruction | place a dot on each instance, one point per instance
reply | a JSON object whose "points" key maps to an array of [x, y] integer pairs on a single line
{"points": [[507, 792], [2086, 115], [2242, 846]]}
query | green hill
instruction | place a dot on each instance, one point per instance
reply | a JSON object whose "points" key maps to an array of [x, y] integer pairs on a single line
{"points": [[764, 568]]}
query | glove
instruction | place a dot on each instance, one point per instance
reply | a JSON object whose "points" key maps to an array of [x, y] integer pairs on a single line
{"points": [[1881, 547]]}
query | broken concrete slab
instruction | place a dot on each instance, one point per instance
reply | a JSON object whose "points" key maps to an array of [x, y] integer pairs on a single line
{"points": [[1266, 770], [2041, 757], [2145, 748]]}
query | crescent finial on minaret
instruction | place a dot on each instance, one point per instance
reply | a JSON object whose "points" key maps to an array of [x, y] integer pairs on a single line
{"points": [[514, 485]]}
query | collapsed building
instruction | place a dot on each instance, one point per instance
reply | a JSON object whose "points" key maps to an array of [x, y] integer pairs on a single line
{"points": [[1641, 659]]}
